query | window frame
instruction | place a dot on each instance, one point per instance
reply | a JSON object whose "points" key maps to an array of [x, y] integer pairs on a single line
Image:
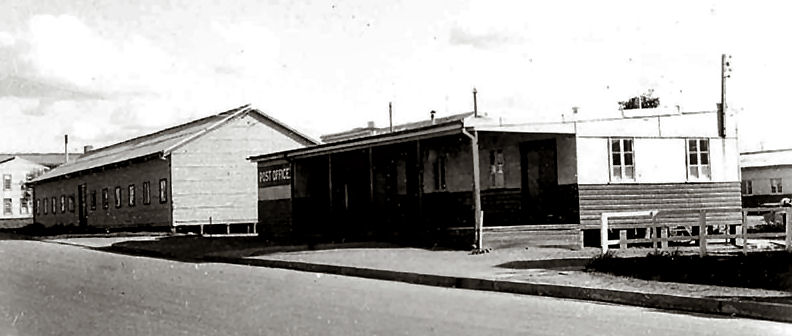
{"points": [[93, 200], [699, 167], [8, 206], [439, 169], [776, 188], [46, 205], [23, 204], [497, 171], [63, 203], [71, 203], [105, 198], [54, 205], [163, 190], [118, 200], [8, 178], [131, 195], [746, 187], [623, 167], [146, 193], [37, 206]]}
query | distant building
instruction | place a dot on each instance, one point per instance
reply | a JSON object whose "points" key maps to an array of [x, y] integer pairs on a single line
{"points": [[766, 176], [191, 175], [420, 180], [16, 170]]}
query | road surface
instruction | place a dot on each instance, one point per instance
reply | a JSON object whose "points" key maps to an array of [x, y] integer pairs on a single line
{"points": [[55, 289]]}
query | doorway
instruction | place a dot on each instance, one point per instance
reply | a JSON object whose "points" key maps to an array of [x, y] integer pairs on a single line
{"points": [[539, 172]]}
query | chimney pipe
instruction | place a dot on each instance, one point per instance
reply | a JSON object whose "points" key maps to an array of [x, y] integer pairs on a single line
{"points": [[66, 147], [431, 116], [390, 115], [475, 103]]}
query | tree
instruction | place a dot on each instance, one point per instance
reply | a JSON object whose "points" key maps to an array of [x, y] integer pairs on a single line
{"points": [[643, 101]]}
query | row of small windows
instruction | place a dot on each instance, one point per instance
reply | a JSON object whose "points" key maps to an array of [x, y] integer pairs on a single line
{"points": [[52, 205], [622, 159], [776, 186]]}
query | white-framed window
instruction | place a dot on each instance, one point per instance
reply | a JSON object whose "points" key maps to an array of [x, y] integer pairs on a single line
{"points": [[146, 193], [163, 190], [117, 197], [776, 186], [54, 205], [439, 168], [6, 181], [7, 206], [63, 203], [622, 160], [24, 209], [46, 206], [131, 195], [747, 187], [496, 168], [698, 159]]}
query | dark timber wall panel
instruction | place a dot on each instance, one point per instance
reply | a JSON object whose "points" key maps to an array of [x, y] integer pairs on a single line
{"points": [[598, 198]]}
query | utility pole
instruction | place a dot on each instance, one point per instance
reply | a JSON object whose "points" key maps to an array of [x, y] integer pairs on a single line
{"points": [[723, 108]]}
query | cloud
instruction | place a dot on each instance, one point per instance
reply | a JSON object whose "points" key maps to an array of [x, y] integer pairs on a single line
{"points": [[483, 40], [6, 39]]}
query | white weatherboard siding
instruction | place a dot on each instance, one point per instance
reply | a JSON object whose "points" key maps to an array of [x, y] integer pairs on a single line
{"points": [[211, 176], [760, 179], [657, 160]]}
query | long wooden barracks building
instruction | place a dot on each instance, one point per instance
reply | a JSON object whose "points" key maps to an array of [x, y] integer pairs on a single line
{"points": [[433, 179], [190, 175]]}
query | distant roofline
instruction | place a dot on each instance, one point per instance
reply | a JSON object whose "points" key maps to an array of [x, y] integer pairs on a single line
{"points": [[767, 151]]}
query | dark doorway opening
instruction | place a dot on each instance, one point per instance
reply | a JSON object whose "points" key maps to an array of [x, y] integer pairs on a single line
{"points": [[539, 171]]}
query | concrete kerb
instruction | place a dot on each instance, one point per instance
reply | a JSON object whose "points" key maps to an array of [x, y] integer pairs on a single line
{"points": [[749, 309]]}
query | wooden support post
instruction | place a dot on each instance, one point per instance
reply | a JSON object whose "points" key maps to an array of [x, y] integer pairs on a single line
{"points": [[664, 238], [202, 229], [702, 233], [654, 231], [788, 230], [254, 227], [623, 239], [474, 149], [228, 229], [419, 178], [371, 174], [604, 233], [330, 181], [744, 231]]}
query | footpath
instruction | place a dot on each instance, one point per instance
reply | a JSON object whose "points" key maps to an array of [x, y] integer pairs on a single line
{"points": [[554, 272]]}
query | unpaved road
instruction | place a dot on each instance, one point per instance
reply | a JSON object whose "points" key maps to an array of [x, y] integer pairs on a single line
{"points": [[56, 289]]}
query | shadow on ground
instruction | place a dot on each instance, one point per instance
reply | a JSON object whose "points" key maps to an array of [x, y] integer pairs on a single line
{"points": [[554, 264], [197, 248]]}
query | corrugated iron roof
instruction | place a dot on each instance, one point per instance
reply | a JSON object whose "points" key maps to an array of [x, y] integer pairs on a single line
{"points": [[50, 160], [775, 157], [158, 143]]}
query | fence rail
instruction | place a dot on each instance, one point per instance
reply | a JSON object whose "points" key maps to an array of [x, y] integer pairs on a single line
{"points": [[661, 231]]}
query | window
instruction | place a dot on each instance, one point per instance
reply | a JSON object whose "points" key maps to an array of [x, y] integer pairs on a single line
{"points": [[117, 197], [93, 199], [6, 181], [622, 166], [105, 199], [163, 190], [63, 203], [146, 193], [71, 203], [496, 168], [37, 206], [698, 159], [7, 206], [45, 206], [23, 207], [775, 186], [54, 205], [747, 187], [439, 168], [131, 195]]}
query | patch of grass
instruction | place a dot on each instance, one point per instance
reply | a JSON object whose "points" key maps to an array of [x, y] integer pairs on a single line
{"points": [[767, 270]]}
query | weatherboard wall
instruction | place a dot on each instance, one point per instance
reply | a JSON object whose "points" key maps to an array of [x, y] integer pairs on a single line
{"points": [[154, 214], [212, 178]]}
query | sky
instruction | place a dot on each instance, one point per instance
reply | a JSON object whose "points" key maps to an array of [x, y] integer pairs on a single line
{"points": [[104, 71]]}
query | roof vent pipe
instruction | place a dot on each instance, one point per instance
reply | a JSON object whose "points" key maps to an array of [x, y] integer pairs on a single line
{"points": [[66, 148], [475, 103], [431, 116]]}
